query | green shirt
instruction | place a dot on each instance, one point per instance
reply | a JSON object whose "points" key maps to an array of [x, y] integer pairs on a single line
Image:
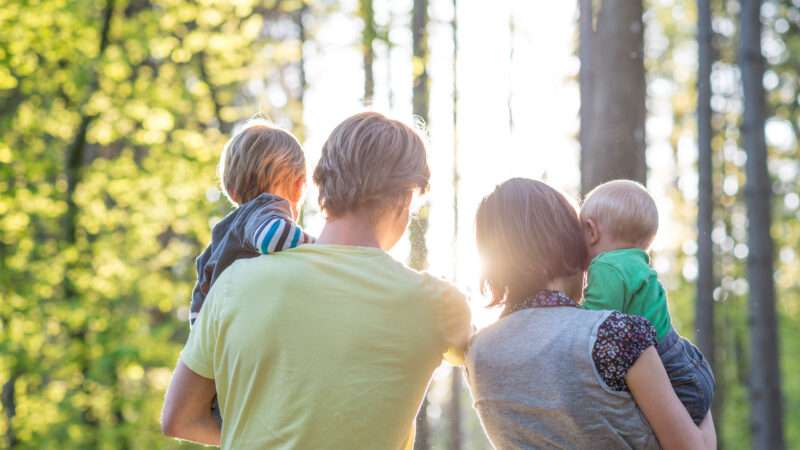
{"points": [[323, 347], [622, 280]]}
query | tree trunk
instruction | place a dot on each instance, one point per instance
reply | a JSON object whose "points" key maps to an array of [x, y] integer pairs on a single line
{"points": [[765, 390], [10, 407], [706, 281], [613, 143], [368, 35], [455, 409], [421, 102], [586, 36], [455, 386], [74, 174], [419, 226], [704, 308], [512, 35]]}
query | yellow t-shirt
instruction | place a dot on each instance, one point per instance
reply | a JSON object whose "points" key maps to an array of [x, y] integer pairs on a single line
{"points": [[324, 347]]}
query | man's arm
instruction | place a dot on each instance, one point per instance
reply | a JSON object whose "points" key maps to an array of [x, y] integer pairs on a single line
{"points": [[605, 289], [455, 320], [187, 408]]}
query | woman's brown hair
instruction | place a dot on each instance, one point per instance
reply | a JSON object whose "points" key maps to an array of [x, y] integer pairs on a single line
{"points": [[528, 235]]}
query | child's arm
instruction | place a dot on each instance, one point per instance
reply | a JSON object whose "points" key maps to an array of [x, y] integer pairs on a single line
{"points": [[277, 234], [605, 289], [271, 229]]}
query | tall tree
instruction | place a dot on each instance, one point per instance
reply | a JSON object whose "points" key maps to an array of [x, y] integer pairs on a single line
{"points": [[368, 35], [766, 414], [706, 281], [613, 103], [512, 38], [586, 36], [419, 226], [75, 161], [302, 37], [704, 307], [455, 382]]}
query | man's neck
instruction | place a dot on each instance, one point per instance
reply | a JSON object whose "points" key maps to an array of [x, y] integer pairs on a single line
{"points": [[350, 229]]}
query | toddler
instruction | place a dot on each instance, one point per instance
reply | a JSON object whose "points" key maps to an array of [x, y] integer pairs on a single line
{"points": [[620, 220], [263, 172]]}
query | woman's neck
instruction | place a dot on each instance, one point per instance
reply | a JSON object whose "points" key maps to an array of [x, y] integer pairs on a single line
{"points": [[350, 229], [572, 286]]}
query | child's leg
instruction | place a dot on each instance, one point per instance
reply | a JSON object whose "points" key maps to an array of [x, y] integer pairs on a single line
{"points": [[689, 373]]}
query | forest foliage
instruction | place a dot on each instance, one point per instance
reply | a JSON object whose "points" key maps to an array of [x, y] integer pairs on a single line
{"points": [[112, 116]]}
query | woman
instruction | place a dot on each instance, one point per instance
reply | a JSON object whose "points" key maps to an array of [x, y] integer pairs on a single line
{"points": [[331, 345], [549, 374]]}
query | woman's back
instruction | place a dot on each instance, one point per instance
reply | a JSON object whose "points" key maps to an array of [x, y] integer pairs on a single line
{"points": [[535, 385]]}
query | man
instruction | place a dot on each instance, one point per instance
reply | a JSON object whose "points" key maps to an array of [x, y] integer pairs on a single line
{"points": [[331, 345]]}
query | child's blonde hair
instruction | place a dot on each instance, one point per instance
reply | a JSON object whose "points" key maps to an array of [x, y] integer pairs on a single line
{"points": [[259, 158], [625, 209]]}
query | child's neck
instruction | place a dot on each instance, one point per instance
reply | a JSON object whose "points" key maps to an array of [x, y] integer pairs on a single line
{"points": [[605, 246]]}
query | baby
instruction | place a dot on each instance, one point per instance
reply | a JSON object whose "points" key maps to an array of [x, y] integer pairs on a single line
{"points": [[620, 220]]}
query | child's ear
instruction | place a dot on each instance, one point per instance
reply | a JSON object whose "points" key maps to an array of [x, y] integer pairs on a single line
{"points": [[299, 186], [591, 231]]}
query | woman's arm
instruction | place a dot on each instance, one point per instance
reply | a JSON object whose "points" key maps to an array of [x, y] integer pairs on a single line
{"points": [[187, 408], [648, 382]]}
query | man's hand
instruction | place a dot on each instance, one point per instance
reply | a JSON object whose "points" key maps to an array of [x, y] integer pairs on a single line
{"points": [[187, 408]]}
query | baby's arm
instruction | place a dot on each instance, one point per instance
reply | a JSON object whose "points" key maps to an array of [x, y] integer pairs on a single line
{"points": [[605, 289], [279, 233]]}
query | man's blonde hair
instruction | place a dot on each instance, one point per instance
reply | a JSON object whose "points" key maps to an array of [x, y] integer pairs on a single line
{"points": [[259, 158], [625, 209], [369, 161]]}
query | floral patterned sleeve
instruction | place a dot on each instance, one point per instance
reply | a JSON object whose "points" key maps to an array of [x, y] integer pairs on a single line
{"points": [[621, 339]]}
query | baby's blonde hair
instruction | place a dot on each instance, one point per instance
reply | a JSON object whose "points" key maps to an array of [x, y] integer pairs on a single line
{"points": [[259, 158], [625, 209]]}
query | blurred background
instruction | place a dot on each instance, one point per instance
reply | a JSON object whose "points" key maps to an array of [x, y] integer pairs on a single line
{"points": [[113, 114]]}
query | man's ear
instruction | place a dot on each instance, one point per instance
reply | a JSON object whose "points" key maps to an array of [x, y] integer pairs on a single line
{"points": [[591, 232], [408, 198]]}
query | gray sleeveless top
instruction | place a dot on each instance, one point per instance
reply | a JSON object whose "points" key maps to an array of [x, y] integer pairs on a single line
{"points": [[535, 385]]}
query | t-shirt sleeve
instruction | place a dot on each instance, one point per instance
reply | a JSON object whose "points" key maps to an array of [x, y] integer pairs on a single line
{"points": [[621, 339], [198, 354], [454, 320], [605, 288]]}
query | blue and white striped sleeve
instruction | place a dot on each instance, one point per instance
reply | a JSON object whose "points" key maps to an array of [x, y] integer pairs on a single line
{"points": [[277, 234]]}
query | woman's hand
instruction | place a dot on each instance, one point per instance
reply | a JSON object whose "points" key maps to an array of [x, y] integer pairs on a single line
{"points": [[669, 419]]}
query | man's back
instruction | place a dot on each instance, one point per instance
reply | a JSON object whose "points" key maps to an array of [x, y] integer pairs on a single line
{"points": [[322, 347]]}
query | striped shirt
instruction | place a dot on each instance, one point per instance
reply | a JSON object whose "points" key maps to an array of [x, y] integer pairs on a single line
{"points": [[278, 234], [261, 226]]}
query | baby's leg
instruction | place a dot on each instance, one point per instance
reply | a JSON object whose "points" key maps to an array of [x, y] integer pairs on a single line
{"points": [[689, 373]]}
